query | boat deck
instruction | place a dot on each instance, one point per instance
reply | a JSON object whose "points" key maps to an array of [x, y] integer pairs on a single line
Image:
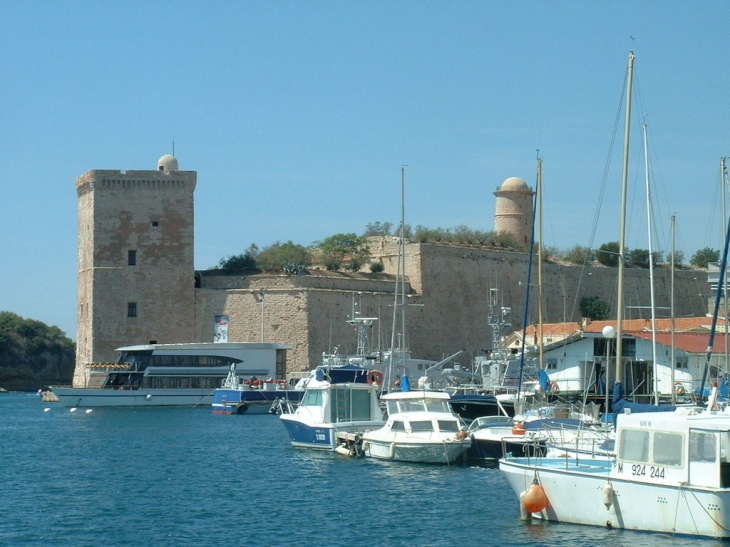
{"points": [[589, 466]]}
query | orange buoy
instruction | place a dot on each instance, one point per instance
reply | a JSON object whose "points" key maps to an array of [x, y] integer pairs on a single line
{"points": [[518, 429], [534, 498]]}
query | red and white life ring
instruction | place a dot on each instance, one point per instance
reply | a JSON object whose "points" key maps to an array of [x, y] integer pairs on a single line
{"points": [[554, 387], [375, 377]]}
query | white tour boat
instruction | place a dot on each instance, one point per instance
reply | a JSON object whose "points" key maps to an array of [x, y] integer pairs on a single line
{"points": [[174, 374]]}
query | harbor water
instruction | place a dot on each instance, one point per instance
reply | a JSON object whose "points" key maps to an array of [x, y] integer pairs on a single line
{"points": [[187, 477]]}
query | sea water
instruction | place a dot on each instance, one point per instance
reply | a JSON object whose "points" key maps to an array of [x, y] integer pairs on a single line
{"points": [[187, 477]]}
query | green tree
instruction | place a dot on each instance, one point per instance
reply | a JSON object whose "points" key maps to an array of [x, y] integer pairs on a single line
{"points": [[608, 254], [704, 256], [378, 229], [678, 258], [579, 255], [288, 257], [348, 251], [594, 307], [639, 257], [245, 261], [377, 267]]}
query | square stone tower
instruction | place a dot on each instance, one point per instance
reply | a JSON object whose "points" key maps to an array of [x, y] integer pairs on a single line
{"points": [[136, 278]]}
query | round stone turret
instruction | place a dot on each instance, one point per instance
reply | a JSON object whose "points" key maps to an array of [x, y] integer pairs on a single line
{"points": [[513, 213], [167, 163]]}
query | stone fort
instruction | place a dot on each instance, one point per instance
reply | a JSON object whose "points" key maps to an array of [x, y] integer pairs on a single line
{"points": [[137, 283]]}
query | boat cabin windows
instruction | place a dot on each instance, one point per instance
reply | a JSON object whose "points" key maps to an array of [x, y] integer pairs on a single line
{"points": [[668, 449], [661, 448], [702, 446], [349, 404], [421, 425], [312, 397], [140, 360], [398, 425], [448, 425], [634, 445]]}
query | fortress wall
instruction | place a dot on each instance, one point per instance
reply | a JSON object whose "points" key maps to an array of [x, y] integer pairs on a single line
{"points": [[448, 305]]}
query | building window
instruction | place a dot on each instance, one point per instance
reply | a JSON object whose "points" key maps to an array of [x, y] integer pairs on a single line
{"points": [[131, 309], [132, 258], [155, 224]]}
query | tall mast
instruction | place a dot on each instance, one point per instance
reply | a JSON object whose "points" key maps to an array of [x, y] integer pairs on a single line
{"points": [[539, 262], [723, 190], [655, 387], [671, 299], [622, 235]]}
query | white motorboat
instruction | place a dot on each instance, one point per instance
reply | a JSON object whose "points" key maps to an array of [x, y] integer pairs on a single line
{"points": [[670, 473], [329, 408], [421, 427]]}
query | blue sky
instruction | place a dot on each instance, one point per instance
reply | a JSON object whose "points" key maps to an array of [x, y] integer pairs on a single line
{"points": [[298, 115]]}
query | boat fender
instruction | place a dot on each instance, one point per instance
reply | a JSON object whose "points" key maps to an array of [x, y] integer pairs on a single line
{"points": [[535, 499], [365, 446], [524, 513], [461, 435], [343, 450], [608, 495], [375, 377], [391, 454], [554, 387]]}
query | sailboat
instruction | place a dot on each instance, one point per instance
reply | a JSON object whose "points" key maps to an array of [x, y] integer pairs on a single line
{"points": [[420, 427], [669, 473]]}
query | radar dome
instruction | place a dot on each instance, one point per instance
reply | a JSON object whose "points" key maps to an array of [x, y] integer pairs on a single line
{"points": [[167, 163]]}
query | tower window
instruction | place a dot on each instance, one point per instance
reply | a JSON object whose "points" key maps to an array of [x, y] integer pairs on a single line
{"points": [[131, 309], [155, 224], [132, 258]]}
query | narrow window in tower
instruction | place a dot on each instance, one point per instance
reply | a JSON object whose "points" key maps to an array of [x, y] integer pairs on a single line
{"points": [[132, 258], [131, 309]]}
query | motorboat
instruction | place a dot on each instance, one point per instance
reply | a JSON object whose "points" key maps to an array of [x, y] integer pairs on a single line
{"points": [[494, 436], [421, 427], [670, 473], [241, 395], [330, 407]]}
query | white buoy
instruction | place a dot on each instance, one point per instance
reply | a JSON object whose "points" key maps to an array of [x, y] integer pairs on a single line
{"points": [[46, 410], [88, 411], [524, 513], [608, 495], [149, 396], [73, 410]]}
